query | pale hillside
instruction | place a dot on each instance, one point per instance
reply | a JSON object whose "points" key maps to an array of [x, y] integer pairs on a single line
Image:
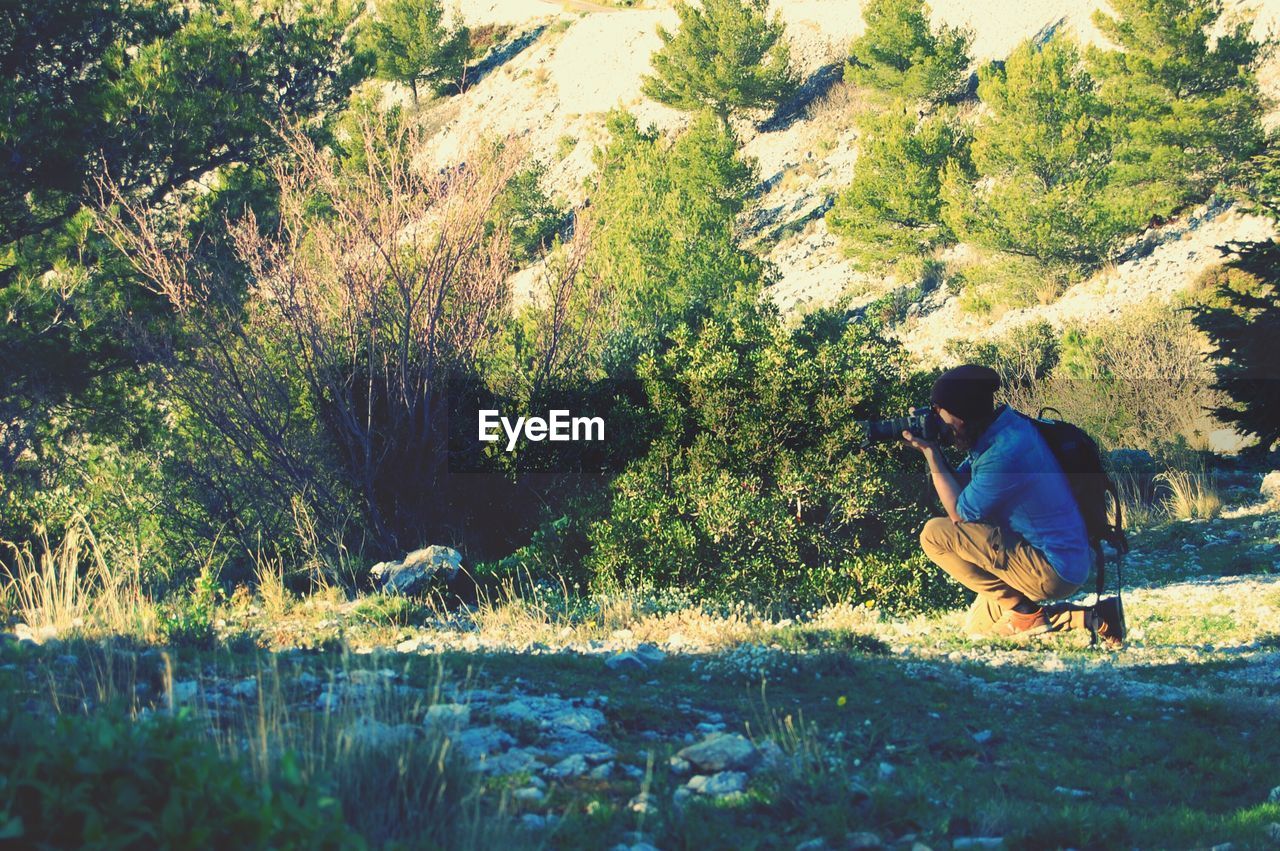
{"points": [[572, 62]]}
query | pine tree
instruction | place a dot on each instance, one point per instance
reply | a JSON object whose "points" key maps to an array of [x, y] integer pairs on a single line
{"points": [[1243, 322], [1186, 105], [901, 54], [1043, 158], [893, 207], [726, 56], [412, 45]]}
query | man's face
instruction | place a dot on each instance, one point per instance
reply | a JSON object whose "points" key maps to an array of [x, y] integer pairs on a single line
{"points": [[963, 440]]}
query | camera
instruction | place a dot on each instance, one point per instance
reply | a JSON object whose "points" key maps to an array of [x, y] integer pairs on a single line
{"points": [[924, 423]]}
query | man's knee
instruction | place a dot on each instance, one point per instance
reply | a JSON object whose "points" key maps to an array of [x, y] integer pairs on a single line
{"points": [[936, 535]]}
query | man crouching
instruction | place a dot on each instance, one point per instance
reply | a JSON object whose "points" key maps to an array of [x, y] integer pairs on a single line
{"points": [[1013, 532]]}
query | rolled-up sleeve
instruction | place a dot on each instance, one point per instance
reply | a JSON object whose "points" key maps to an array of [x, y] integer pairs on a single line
{"points": [[992, 483]]}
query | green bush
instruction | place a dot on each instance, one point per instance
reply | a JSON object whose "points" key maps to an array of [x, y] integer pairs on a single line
{"points": [[1043, 159], [755, 486], [900, 53], [892, 211], [726, 56], [101, 782], [1183, 93]]}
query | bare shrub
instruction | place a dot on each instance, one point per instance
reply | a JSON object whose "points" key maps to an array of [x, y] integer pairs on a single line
{"points": [[380, 285]]}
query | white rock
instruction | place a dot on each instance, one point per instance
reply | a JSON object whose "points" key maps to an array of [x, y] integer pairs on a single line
{"points": [[416, 570], [720, 784], [373, 733], [570, 766], [721, 751], [513, 761], [184, 691], [477, 742], [584, 720], [246, 688], [625, 662], [1270, 487], [447, 716]]}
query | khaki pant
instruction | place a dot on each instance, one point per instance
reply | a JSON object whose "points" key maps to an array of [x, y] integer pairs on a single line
{"points": [[1003, 569]]}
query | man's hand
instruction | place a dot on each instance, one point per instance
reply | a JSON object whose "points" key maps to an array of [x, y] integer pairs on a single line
{"points": [[920, 443]]}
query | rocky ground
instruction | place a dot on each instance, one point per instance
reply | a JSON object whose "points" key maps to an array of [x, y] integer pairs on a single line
{"points": [[656, 711]]}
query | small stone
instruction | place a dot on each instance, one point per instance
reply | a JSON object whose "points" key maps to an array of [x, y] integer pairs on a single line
{"points": [[718, 785], [625, 662], [482, 741], [818, 844], [184, 691], [862, 841], [447, 716], [529, 794], [1274, 797], [570, 766], [582, 720], [920, 846], [246, 689], [679, 766], [886, 770], [372, 733], [1224, 846], [601, 771], [643, 803], [721, 751], [650, 654], [514, 761], [982, 736], [1071, 793], [533, 821], [1273, 831]]}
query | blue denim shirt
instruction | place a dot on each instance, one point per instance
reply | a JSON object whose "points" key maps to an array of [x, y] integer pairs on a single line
{"points": [[1015, 482]]}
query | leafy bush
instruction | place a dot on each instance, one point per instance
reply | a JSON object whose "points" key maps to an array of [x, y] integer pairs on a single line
{"points": [[187, 620], [900, 53], [1043, 158], [893, 209], [529, 214], [103, 782], [997, 282], [1184, 98], [725, 56], [755, 485]]}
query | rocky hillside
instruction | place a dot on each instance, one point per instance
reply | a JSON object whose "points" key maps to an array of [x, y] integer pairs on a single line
{"points": [[561, 66]]}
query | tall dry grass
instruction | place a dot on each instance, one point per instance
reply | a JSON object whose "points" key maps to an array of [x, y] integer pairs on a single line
{"points": [[67, 585], [1190, 494]]}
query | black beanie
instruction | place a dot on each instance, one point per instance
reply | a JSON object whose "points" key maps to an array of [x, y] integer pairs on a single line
{"points": [[967, 391]]}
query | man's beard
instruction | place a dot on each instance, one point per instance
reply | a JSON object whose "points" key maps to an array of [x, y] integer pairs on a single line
{"points": [[961, 437]]}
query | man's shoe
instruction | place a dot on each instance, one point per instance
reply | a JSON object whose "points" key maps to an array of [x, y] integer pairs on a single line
{"points": [[1106, 620], [1019, 625]]}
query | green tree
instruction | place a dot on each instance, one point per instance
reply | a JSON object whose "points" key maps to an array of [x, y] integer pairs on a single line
{"points": [[412, 45], [900, 53], [664, 245], [158, 97], [726, 55], [1184, 99], [1243, 321], [893, 208], [1043, 159]]}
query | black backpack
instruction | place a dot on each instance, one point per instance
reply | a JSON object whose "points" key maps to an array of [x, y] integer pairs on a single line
{"points": [[1091, 485]]}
